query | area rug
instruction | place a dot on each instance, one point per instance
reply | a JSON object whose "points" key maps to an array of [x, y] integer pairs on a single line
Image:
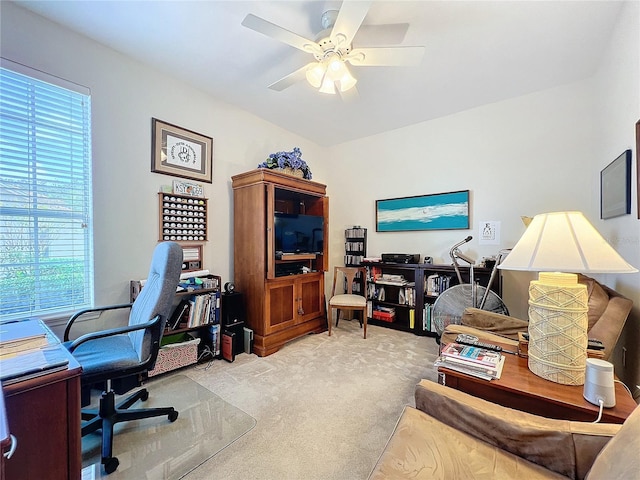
{"points": [[158, 449]]}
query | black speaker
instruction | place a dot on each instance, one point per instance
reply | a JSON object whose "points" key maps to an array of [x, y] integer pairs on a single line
{"points": [[232, 308], [233, 317]]}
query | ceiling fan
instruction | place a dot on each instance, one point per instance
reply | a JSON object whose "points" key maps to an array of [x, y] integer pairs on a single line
{"points": [[332, 49]]}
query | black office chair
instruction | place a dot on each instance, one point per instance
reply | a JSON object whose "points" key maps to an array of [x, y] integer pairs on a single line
{"points": [[127, 351]]}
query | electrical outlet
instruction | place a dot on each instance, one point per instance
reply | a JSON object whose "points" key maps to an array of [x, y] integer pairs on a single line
{"points": [[624, 357]]}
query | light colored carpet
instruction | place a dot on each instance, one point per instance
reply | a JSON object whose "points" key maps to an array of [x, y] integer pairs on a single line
{"points": [[325, 406], [155, 448]]}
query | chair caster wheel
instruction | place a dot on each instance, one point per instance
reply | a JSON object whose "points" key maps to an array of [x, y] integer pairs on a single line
{"points": [[144, 396], [173, 416], [110, 464]]}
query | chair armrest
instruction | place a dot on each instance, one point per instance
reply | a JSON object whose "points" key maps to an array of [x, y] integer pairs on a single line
{"points": [[565, 447], [111, 332], [77, 315]]}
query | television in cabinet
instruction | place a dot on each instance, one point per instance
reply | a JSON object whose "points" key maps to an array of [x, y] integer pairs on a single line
{"points": [[283, 281]]}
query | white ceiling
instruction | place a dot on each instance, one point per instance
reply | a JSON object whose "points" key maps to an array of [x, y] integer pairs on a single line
{"points": [[477, 52]]}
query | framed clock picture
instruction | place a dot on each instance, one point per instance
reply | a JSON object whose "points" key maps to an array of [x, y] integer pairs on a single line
{"points": [[180, 152]]}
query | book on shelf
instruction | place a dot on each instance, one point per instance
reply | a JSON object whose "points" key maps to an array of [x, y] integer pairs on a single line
{"points": [[384, 316], [436, 284], [16, 337], [475, 355]]}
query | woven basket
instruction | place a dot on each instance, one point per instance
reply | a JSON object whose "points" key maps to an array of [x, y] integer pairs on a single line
{"points": [[290, 171], [558, 325]]}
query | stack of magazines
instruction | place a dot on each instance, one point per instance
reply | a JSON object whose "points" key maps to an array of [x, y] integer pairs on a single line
{"points": [[474, 361]]}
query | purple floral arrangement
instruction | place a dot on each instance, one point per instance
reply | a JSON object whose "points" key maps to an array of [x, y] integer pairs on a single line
{"points": [[291, 159]]}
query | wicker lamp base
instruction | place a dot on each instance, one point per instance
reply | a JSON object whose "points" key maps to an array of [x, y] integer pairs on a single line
{"points": [[558, 324]]}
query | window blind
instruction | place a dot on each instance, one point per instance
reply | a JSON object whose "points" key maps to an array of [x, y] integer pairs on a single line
{"points": [[46, 241]]}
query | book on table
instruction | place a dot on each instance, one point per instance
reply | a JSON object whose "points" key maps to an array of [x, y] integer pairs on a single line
{"points": [[471, 354], [32, 363], [16, 337], [469, 368], [476, 361]]}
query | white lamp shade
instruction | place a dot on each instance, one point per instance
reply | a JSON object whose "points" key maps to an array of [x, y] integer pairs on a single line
{"points": [[566, 242]]}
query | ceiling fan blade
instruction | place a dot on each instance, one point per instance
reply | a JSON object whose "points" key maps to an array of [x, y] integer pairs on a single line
{"points": [[276, 32], [387, 34], [349, 19], [292, 78], [386, 56]]}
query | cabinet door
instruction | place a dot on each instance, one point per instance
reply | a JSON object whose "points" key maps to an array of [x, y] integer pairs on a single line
{"points": [[280, 306], [310, 294]]}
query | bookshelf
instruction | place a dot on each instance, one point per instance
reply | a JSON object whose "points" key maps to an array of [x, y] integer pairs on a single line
{"points": [[355, 251], [355, 246], [196, 310], [400, 295]]}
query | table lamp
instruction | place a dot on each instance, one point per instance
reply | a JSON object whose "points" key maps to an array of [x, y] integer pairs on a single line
{"points": [[554, 243]]}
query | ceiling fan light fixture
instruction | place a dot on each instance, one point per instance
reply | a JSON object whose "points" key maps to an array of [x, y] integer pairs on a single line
{"points": [[328, 86], [347, 81], [336, 69], [315, 75]]}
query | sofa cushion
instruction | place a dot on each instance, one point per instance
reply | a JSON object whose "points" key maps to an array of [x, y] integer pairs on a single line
{"points": [[422, 447], [598, 299], [620, 458], [565, 447]]}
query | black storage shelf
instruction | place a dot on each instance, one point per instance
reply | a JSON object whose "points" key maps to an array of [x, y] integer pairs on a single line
{"points": [[418, 273]]}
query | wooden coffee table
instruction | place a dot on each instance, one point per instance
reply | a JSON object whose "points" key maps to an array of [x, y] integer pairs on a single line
{"points": [[521, 389]]}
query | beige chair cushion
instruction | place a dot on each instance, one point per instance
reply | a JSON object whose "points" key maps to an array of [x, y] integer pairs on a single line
{"points": [[424, 448], [348, 300]]}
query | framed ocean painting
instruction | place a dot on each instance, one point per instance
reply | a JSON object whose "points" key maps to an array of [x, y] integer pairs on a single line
{"points": [[438, 211]]}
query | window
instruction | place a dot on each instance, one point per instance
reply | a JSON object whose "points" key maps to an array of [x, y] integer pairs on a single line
{"points": [[46, 240]]}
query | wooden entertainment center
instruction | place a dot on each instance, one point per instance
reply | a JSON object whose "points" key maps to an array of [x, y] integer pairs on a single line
{"points": [[282, 302]]}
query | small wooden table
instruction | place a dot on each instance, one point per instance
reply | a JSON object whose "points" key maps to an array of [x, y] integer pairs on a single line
{"points": [[521, 389]]}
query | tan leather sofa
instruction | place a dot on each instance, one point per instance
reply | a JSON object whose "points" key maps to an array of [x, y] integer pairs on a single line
{"points": [[452, 435], [608, 312]]}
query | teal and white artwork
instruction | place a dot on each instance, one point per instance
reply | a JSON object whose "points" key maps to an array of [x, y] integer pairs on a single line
{"points": [[440, 211]]}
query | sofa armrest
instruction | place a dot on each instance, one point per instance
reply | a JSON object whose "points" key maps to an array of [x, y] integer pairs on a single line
{"points": [[565, 447], [503, 325]]}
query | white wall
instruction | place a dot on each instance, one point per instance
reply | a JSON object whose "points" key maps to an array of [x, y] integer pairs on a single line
{"points": [[125, 96], [540, 152], [517, 157], [617, 111]]}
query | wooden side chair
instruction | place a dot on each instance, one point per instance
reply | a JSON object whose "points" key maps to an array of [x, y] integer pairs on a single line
{"points": [[347, 301]]}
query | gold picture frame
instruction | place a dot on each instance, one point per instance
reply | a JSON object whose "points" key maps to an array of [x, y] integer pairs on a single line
{"points": [[180, 152]]}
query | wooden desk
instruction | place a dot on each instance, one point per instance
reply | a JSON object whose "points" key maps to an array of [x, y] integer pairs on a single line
{"points": [[521, 389], [43, 413]]}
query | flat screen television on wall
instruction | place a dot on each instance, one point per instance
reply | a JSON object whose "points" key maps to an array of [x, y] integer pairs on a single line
{"points": [[298, 233]]}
